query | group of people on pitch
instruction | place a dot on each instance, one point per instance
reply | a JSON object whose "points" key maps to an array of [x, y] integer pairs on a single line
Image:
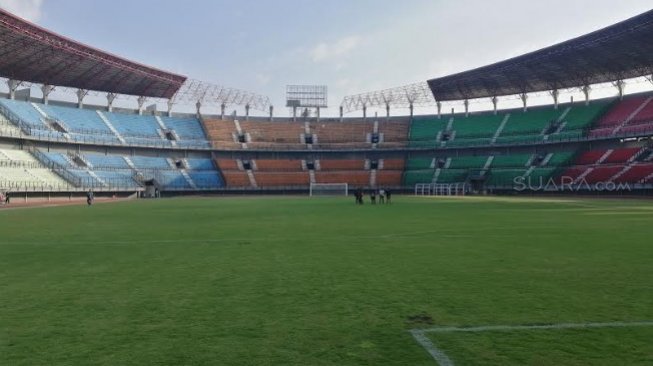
{"points": [[384, 196], [5, 199]]}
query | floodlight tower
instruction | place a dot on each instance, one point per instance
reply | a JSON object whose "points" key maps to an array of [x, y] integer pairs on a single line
{"points": [[306, 97]]}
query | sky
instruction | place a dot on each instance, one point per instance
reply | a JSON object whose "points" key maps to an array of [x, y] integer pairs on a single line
{"points": [[352, 46]]}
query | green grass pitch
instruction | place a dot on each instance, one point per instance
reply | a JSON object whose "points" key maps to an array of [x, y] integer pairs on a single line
{"points": [[299, 281]]}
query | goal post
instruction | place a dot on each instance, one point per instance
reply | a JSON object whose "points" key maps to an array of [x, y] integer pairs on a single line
{"points": [[328, 189]]}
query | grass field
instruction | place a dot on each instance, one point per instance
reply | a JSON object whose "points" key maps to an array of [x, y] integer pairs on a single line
{"points": [[298, 281]]}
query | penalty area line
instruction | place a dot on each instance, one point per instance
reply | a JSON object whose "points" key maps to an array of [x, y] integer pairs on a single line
{"points": [[443, 360]]}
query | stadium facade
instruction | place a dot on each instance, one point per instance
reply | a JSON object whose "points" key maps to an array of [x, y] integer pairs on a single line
{"points": [[50, 147]]}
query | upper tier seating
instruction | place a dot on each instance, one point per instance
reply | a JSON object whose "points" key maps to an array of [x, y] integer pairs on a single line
{"points": [[424, 130], [395, 133], [630, 115], [78, 120], [222, 133], [346, 133], [476, 126], [187, 128], [532, 122], [52, 122], [268, 133], [133, 125]]}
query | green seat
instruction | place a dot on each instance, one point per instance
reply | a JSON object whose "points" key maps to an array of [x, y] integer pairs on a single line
{"points": [[511, 161], [581, 116], [532, 122], [559, 159], [424, 130], [519, 139], [505, 177], [452, 176], [540, 176], [412, 177], [419, 163], [476, 126], [468, 142], [466, 162]]}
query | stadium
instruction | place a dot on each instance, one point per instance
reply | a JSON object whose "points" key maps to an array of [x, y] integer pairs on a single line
{"points": [[515, 235]]}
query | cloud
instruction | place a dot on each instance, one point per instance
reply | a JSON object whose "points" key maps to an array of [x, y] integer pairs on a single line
{"points": [[263, 79], [28, 9], [340, 48]]}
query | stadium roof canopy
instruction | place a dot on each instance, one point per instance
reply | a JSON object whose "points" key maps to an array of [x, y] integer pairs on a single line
{"points": [[31, 53], [621, 51]]}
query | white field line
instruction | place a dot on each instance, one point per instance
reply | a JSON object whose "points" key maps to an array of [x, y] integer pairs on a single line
{"points": [[439, 356], [443, 360]]}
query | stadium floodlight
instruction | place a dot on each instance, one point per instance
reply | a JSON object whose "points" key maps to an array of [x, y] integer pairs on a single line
{"points": [[211, 94], [407, 96], [329, 189]]}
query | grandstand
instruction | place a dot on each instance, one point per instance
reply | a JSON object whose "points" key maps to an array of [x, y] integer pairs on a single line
{"points": [[95, 147]]}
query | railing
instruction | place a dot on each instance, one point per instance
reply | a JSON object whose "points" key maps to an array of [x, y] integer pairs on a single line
{"points": [[20, 164], [59, 169]]}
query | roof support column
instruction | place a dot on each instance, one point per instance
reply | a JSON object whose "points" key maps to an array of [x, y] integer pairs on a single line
{"points": [[364, 111], [81, 94], [412, 109], [46, 89], [586, 90], [621, 87], [318, 114], [439, 105], [495, 103], [387, 111], [271, 113], [140, 100], [524, 100], [342, 113], [110, 98], [198, 107], [294, 113], [223, 107], [247, 112], [466, 103], [13, 85], [555, 93], [170, 105]]}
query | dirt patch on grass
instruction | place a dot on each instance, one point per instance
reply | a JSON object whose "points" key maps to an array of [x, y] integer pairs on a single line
{"points": [[419, 319]]}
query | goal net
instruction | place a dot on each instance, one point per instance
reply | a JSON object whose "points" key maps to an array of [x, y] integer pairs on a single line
{"points": [[329, 189], [433, 189]]}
